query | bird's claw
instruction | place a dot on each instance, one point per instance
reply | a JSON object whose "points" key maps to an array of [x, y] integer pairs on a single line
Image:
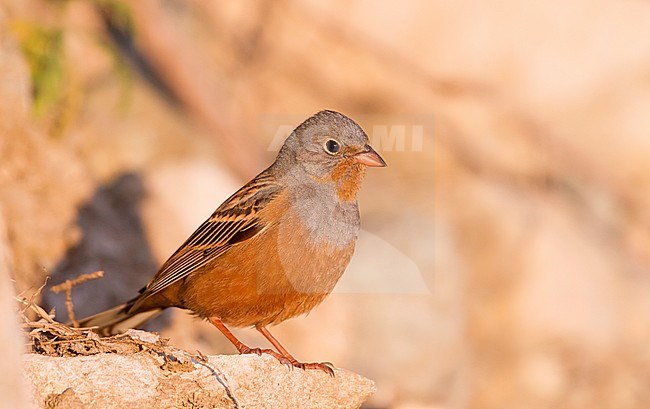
{"points": [[259, 351], [256, 351], [326, 367]]}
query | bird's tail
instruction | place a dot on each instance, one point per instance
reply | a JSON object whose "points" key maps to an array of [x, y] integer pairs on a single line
{"points": [[118, 319]]}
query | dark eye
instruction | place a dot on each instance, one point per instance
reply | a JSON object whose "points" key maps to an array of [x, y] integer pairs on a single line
{"points": [[332, 147]]}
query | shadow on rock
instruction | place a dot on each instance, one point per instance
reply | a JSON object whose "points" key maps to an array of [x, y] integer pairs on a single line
{"points": [[113, 240]]}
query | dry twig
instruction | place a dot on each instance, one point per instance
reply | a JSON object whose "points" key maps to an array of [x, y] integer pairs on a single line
{"points": [[67, 286]]}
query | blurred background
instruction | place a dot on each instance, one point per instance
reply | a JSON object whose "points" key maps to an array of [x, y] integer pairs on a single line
{"points": [[504, 260]]}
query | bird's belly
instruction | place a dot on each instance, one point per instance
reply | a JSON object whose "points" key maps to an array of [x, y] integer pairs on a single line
{"points": [[261, 282]]}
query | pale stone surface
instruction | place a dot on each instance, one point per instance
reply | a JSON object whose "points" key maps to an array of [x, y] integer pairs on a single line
{"points": [[225, 381]]}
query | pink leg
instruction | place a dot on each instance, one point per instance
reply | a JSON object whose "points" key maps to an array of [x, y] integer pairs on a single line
{"points": [[241, 347]]}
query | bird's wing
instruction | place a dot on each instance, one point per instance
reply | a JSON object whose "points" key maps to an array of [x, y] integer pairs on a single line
{"points": [[236, 220]]}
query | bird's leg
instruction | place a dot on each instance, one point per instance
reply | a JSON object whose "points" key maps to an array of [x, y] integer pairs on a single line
{"points": [[323, 366], [241, 347]]}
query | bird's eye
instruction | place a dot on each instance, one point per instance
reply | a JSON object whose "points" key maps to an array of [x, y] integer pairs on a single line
{"points": [[332, 147]]}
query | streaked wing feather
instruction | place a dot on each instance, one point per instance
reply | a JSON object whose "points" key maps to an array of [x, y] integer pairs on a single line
{"points": [[234, 221]]}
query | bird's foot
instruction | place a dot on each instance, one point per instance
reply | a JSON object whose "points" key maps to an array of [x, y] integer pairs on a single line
{"points": [[259, 351], [326, 367]]}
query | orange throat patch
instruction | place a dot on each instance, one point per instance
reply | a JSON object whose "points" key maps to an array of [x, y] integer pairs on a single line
{"points": [[348, 176]]}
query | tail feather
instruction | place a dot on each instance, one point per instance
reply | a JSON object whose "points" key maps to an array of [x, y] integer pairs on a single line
{"points": [[118, 319]]}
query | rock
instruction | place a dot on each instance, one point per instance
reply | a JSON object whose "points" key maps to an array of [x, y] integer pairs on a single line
{"points": [[14, 394], [224, 381]]}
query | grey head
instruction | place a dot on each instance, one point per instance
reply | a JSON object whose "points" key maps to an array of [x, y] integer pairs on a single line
{"points": [[322, 142]]}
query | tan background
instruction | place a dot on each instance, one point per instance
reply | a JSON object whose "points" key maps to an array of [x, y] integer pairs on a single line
{"points": [[505, 264]]}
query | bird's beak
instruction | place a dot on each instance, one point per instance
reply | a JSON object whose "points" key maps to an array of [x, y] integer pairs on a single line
{"points": [[369, 158]]}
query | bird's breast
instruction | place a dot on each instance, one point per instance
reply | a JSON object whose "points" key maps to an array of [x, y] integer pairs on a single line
{"points": [[325, 220]]}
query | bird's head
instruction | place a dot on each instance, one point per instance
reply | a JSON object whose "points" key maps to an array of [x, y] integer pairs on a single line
{"points": [[329, 147]]}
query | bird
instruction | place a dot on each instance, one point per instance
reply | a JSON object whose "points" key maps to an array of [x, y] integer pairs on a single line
{"points": [[273, 250]]}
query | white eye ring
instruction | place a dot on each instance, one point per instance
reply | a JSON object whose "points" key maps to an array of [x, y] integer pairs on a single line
{"points": [[332, 146]]}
